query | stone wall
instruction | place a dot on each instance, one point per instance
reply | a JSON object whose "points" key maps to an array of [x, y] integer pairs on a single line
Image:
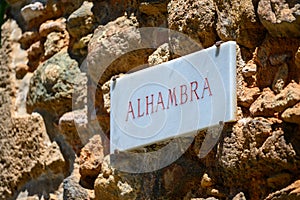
{"points": [[55, 63]]}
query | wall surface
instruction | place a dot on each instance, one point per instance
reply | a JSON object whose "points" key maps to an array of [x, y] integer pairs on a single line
{"points": [[56, 61]]}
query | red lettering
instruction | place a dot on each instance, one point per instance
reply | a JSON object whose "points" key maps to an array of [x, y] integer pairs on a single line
{"points": [[205, 87], [183, 89], [160, 101], [139, 109], [194, 90], [130, 110], [172, 98], [147, 104]]}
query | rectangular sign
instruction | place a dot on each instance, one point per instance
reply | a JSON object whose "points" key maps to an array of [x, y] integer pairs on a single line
{"points": [[176, 98]]}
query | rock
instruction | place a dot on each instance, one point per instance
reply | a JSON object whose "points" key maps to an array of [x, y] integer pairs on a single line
{"points": [[194, 18], [292, 114], [250, 69], [237, 21], [112, 42], [267, 103], [206, 181], [262, 105], [79, 48], [49, 26], [239, 196], [52, 85], [72, 189], [32, 11], [281, 78], [281, 18], [81, 22], [28, 154], [160, 55], [247, 96], [110, 186], [54, 43], [90, 160], [21, 70], [20, 102], [289, 192], [28, 38], [154, 13], [271, 54], [35, 52], [70, 124]]}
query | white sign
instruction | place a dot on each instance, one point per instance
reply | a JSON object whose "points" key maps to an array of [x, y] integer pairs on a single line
{"points": [[173, 99]]}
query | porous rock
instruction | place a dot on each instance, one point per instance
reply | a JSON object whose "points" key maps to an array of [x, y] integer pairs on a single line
{"points": [[281, 18], [52, 85]]}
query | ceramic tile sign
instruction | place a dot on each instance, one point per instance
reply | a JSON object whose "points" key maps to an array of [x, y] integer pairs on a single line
{"points": [[173, 99]]}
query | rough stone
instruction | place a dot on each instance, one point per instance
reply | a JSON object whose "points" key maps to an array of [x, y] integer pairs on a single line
{"points": [[271, 54], [79, 48], [160, 55], [35, 52], [247, 96], [72, 188], [206, 181], [281, 78], [289, 192], [279, 180], [21, 93], [32, 11], [21, 70], [28, 38], [262, 105], [281, 18], [237, 21], [27, 153], [292, 114], [49, 26], [69, 125], [239, 196], [81, 22], [52, 85], [54, 43], [194, 18], [90, 160], [112, 41], [267, 103]]}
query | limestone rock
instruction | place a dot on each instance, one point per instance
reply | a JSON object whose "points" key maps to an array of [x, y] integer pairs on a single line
{"points": [[32, 11], [289, 192], [72, 188], [27, 153], [292, 114], [281, 78], [52, 85], [49, 26], [28, 38], [112, 45], [160, 55], [81, 22], [194, 18], [79, 48], [70, 124], [54, 43], [281, 18], [237, 21], [35, 52], [267, 103], [247, 96], [239, 196], [90, 160], [262, 105]]}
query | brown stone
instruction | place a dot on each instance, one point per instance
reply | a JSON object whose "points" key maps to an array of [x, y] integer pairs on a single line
{"points": [[91, 158], [247, 96], [194, 18], [292, 114], [262, 105], [281, 18], [49, 26], [290, 192]]}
